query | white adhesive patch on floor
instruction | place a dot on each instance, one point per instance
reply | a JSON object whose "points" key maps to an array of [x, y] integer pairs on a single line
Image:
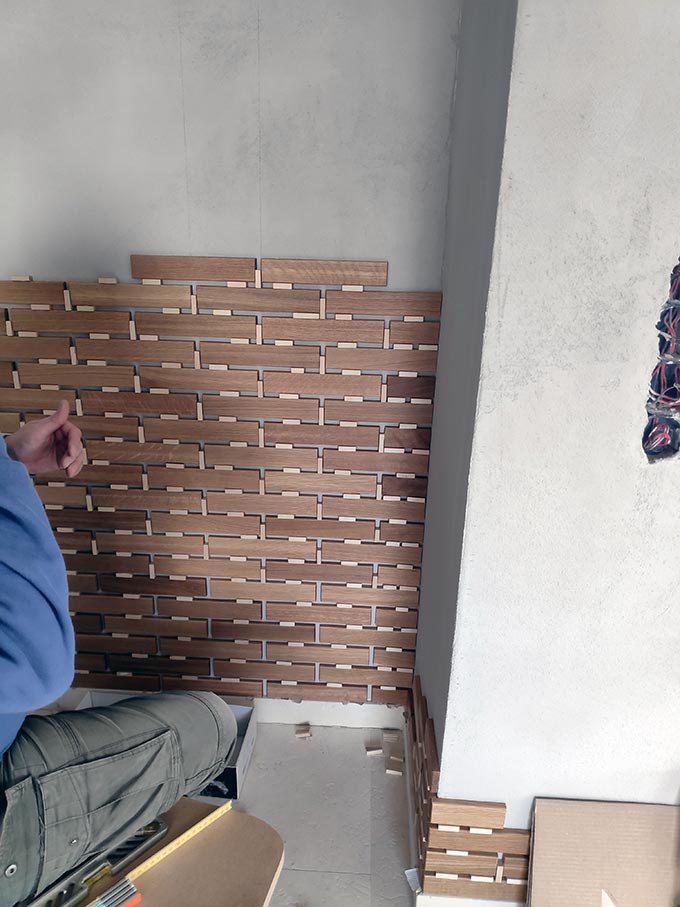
{"points": [[343, 820]]}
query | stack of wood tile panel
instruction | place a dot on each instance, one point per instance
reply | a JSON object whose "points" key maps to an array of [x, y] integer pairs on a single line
{"points": [[464, 849], [251, 516]]}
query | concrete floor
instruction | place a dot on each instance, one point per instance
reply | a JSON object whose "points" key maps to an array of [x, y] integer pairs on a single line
{"points": [[344, 821]]}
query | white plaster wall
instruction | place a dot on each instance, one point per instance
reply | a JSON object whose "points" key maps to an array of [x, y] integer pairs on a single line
{"points": [[566, 663], [314, 128]]}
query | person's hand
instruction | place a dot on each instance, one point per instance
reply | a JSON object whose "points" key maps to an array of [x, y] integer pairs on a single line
{"points": [[48, 444]]}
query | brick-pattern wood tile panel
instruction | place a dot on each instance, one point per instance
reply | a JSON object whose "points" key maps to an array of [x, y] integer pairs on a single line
{"points": [[250, 518]]}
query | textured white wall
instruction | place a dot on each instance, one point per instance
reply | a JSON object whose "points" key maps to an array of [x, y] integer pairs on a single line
{"points": [[566, 665]]}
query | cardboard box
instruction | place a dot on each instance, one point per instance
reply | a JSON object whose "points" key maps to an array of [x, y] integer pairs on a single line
{"points": [[602, 854]]}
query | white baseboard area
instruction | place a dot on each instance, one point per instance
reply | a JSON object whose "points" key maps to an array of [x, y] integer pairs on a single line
{"points": [[329, 714], [444, 900]]}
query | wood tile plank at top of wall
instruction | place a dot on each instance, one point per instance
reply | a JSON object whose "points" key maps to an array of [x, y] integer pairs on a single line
{"points": [[205, 430], [377, 360], [259, 300], [380, 302], [371, 461], [397, 487], [311, 654], [507, 841], [494, 891], [130, 295], [196, 379], [244, 480], [320, 483], [77, 375], [370, 552], [328, 330], [150, 544], [132, 452], [205, 525], [322, 435], [395, 598], [196, 326], [411, 413], [191, 267], [322, 385], [320, 529], [260, 408], [95, 402], [30, 292], [54, 322], [136, 350], [264, 591], [421, 388], [259, 355], [468, 813], [298, 505], [18, 348], [223, 455], [307, 271], [147, 500]]}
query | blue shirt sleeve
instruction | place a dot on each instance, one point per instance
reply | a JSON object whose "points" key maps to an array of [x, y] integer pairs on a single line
{"points": [[36, 634]]}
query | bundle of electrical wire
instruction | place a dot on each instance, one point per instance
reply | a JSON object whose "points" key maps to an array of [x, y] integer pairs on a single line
{"points": [[662, 432]]}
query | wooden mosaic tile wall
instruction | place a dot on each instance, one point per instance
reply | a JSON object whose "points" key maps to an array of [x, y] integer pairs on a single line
{"points": [[251, 516], [464, 849]]}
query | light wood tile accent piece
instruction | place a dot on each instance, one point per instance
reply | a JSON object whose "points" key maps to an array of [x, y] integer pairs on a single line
{"points": [[191, 267], [306, 271]]}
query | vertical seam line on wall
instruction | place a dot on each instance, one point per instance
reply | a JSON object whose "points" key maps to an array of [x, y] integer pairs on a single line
{"points": [[259, 124], [184, 118]]}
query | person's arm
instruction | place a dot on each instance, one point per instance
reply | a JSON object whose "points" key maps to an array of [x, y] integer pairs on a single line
{"points": [[36, 634]]}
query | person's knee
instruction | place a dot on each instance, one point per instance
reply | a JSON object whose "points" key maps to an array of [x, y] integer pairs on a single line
{"points": [[223, 716]]}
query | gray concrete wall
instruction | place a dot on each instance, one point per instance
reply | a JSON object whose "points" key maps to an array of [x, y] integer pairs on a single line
{"points": [[314, 128], [478, 130]]}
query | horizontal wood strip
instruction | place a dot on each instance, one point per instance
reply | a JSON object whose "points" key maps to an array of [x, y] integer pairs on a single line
{"points": [[307, 271], [168, 607], [77, 375], [367, 552], [260, 355], [259, 457], [97, 519], [117, 682], [391, 617], [301, 505], [102, 475], [375, 676], [205, 525], [107, 563], [198, 379], [149, 452], [414, 413], [128, 403], [258, 408], [393, 639], [472, 864], [130, 295], [408, 438], [421, 388], [325, 572], [278, 592], [398, 576], [156, 626], [100, 427], [258, 300], [262, 630], [320, 483], [259, 548], [111, 604], [196, 326], [72, 323], [69, 496], [264, 669], [147, 500], [137, 645], [313, 528], [307, 654], [35, 400], [214, 479], [392, 598], [415, 332], [9, 422], [74, 541], [403, 659], [380, 302], [326, 330], [369, 461], [402, 532], [504, 840], [192, 267], [322, 435], [156, 586], [245, 689], [136, 350], [317, 691], [321, 614], [468, 813], [492, 891], [205, 430], [158, 665], [385, 510], [211, 648], [322, 385], [150, 544], [19, 348], [377, 360], [399, 487], [32, 292]]}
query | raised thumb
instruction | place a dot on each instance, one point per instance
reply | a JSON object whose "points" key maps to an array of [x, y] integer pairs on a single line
{"points": [[59, 417]]}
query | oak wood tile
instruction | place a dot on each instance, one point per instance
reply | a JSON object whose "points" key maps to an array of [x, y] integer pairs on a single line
{"points": [[398, 576], [198, 379], [29, 292], [211, 648], [169, 607], [117, 682], [390, 697], [321, 614], [346, 302], [167, 404], [325, 572], [196, 566], [266, 670], [403, 659], [258, 408], [218, 479], [159, 665], [157, 626], [82, 583], [320, 483], [302, 505], [212, 524], [415, 332], [306, 271], [371, 461], [375, 553], [392, 598], [408, 438], [16, 349], [9, 422], [150, 544], [246, 689], [192, 267], [397, 487], [376, 360], [260, 355], [69, 496], [136, 350], [110, 604], [35, 400], [468, 813], [196, 326], [262, 630], [393, 639], [73, 323], [415, 413], [505, 841], [394, 678], [89, 662], [322, 435], [326, 330], [103, 475], [402, 532], [307, 654], [328, 529], [379, 510], [278, 592], [101, 427], [421, 388], [322, 385], [134, 452], [130, 295], [83, 519], [74, 541], [147, 500], [258, 300], [86, 623], [77, 375], [259, 457], [317, 691], [139, 585], [390, 617], [137, 645], [204, 430], [259, 548], [107, 563]]}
